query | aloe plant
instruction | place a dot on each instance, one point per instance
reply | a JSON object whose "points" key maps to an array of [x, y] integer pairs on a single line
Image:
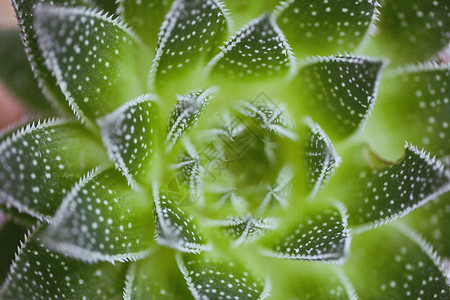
{"points": [[175, 155]]}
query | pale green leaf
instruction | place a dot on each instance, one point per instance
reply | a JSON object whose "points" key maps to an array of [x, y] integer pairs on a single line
{"points": [[390, 264], [320, 27], [102, 219], [128, 135], [40, 163], [98, 63]]}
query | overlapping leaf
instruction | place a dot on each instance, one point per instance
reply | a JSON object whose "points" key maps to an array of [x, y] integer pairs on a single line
{"points": [[174, 228], [101, 219], [98, 63], [40, 163], [190, 35], [189, 172], [326, 27], [258, 50], [320, 237], [39, 273], [128, 135], [213, 279], [10, 236], [401, 266], [338, 92]]}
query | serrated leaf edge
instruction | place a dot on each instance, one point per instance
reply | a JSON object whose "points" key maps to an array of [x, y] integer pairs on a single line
{"points": [[420, 67]]}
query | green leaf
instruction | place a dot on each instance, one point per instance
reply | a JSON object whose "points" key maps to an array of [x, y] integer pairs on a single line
{"points": [[338, 92], [383, 194], [101, 219], [413, 105], [326, 27], [186, 113], [191, 32], [39, 273], [26, 21], [17, 74], [213, 279], [145, 17], [174, 228], [320, 157], [11, 234], [390, 264], [278, 193], [411, 30], [433, 221], [259, 50], [39, 164], [128, 135], [318, 237], [98, 63]]}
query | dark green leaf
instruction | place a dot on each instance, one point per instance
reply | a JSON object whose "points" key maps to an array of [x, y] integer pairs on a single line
{"points": [[258, 50], [39, 273], [189, 36], [98, 63], [128, 135], [10, 236], [320, 237], [189, 173], [338, 92], [213, 279], [16, 72], [174, 228], [411, 30], [391, 264], [102, 219], [40, 163], [326, 27]]}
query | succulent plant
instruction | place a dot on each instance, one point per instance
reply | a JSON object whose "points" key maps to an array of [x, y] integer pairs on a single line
{"points": [[175, 157]]}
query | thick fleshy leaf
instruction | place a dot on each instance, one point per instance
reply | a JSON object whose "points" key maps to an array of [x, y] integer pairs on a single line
{"points": [[338, 92], [189, 36], [212, 279], [128, 135], [383, 194], [390, 264], [174, 228], [320, 237], [40, 163], [433, 221], [413, 105], [320, 157], [39, 273], [101, 219], [10, 236], [326, 27], [16, 72], [25, 17], [411, 30], [98, 63], [258, 50], [145, 17], [186, 113]]}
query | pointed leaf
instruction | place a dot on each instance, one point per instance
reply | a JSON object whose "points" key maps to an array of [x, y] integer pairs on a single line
{"points": [[413, 105], [186, 113], [174, 228], [320, 157], [189, 172], [101, 219], [212, 279], [11, 234], [16, 72], [390, 192], [411, 30], [189, 36], [128, 135], [39, 164], [325, 27], [39, 273], [320, 237], [98, 63], [391, 264], [279, 192], [258, 50], [338, 92], [145, 17]]}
